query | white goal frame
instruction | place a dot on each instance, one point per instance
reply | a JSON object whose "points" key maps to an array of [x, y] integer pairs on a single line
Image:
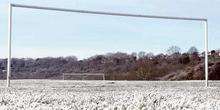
{"points": [[10, 7], [83, 75]]}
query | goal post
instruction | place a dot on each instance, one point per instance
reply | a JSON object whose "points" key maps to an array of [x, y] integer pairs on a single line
{"points": [[84, 76], [10, 12]]}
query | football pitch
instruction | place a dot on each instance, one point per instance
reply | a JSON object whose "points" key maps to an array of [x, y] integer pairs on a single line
{"points": [[109, 95]]}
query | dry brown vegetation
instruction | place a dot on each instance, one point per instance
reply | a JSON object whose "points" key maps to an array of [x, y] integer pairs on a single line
{"points": [[117, 66]]}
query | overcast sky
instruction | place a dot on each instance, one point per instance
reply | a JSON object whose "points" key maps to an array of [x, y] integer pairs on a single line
{"points": [[38, 33]]}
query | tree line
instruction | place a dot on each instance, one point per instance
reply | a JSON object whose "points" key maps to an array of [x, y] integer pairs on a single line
{"points": [[115, 66]]}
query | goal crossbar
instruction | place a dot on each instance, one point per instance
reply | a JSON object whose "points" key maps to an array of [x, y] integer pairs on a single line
{"points": [[105, 13], [11, 5]]}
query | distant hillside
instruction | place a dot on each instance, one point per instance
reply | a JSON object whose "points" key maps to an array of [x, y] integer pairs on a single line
{"points": [[195, 73], [116, 66]]}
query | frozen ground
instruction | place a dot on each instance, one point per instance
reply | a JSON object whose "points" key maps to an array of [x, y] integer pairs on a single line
{"points": [[109, 95]]}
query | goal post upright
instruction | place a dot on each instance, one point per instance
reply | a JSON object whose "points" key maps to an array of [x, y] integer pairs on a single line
{"points": [[9, 44], [206, 54], [11, 5]]}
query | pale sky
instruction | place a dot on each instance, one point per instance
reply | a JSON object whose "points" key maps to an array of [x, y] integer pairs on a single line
{"points": [[38, 33]]}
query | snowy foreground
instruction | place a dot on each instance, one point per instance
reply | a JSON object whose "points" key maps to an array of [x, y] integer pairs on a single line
{"points": [[109, 95]]}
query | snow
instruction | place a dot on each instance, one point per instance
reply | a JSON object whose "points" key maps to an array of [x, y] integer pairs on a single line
{"points": [[109, 95]]}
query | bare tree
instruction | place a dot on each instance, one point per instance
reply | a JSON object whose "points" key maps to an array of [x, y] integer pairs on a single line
{"points": [[149, 55], [134, 54], [173, 50], [193, 50], [213, 54], [71, 58], [141, 54]]}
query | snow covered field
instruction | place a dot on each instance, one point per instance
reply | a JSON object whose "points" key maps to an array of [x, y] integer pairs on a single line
{"points": [[109, 95]]}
